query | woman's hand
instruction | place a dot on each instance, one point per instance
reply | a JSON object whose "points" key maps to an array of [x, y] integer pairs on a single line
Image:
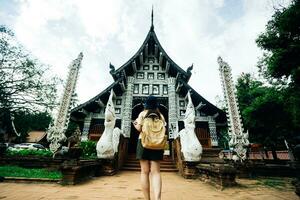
{"points": [[137, 126]]}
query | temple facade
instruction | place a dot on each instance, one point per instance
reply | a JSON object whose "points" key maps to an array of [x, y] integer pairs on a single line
{"points": [[150, 72]]}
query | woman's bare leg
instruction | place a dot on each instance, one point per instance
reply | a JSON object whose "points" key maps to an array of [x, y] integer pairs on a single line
{"points": [[145, 169], [156, 179]]}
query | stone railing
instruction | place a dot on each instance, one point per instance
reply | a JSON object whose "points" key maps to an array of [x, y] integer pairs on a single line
{"points": [[112, 166], [186, 169]]}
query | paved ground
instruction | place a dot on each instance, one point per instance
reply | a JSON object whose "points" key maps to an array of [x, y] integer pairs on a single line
{"points": [[125, 185]]}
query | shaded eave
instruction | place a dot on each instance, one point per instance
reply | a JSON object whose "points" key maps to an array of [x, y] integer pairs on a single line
{"points": [[197, 99], [98, 101]]}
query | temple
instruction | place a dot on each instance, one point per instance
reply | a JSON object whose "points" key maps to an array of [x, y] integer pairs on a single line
{"points": [[150, 72]]}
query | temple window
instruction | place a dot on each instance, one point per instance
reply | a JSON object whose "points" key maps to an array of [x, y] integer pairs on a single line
{"points": [[160, 76], [118, 110], [140, 75], [145, 89], [118, 101], [182, 112], [150, 75], [135, 89], [155, 89], [155, 67], [165, 89], [146, 67]]}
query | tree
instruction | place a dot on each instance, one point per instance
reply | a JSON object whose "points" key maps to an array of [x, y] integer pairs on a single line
{"points": [[26, 122], [281, 41], [24, 83], [264, 112], [281, 61]]}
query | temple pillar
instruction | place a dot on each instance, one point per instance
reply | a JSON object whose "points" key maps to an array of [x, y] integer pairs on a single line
{"points": [[213, 132], [127, 108], [172, 107], [86, 127]]}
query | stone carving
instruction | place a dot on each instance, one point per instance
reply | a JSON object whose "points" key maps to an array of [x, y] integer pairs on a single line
{"points": [[74, 139], [190, 145], [172, 107], [108, 143], [238, 138], [56, 132], [127, 109]]}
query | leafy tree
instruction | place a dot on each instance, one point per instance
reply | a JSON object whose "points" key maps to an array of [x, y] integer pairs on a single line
{"points": [[26, 122], [264, 112], [281, 41], [281, 61], [25, 85]]}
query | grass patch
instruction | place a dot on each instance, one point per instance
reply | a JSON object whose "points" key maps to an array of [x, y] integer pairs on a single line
{"points": [[27, 152], [277, 183], [15, 171]]}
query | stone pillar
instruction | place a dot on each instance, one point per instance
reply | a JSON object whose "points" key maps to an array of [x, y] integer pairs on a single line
{"points": [[86, 127], [127, 108], [213, 132], [172, 107]]}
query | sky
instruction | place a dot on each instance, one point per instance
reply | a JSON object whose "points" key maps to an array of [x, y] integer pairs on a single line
{"points": [[190, 31]]}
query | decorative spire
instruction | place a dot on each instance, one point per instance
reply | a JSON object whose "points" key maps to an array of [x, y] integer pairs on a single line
{"points": [[238, 138], [56, 131], [152, 26]]}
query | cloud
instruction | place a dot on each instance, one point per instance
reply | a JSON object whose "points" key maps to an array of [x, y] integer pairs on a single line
{"points": [[112, 31]]}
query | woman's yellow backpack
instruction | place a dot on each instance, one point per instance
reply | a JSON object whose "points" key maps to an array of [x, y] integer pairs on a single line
{"points": [[153, 133]]}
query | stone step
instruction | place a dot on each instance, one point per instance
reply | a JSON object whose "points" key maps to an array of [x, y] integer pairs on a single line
{"points": [[166, 165], [138, 169], [137, 162], [138, 165], [161, 164]]}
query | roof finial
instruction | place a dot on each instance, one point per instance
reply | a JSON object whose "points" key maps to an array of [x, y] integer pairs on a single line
{"points": [[152, 27]]}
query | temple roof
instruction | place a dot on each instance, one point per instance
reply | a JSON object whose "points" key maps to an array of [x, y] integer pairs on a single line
{"points": [[149, 45]]}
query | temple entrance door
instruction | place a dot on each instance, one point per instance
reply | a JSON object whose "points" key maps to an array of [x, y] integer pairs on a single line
{"points": [[137, 108]]}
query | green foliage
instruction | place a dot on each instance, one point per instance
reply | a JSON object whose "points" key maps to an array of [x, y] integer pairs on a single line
{"points": [[275, 182], [26, 122], [264, 112], [281, 40], [71, 128], [223, 139], [27, 152], [15, 171], [277, 110], [25, 84], [89, 149]]}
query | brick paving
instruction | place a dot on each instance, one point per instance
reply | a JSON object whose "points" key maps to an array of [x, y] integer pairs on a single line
{"points": [[125, 185]]}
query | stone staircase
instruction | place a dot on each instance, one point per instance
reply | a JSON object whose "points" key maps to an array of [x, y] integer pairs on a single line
{"points": [[132, 164]]}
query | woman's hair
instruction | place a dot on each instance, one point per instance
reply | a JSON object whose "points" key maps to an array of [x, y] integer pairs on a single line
{"points": [[153, 113]]}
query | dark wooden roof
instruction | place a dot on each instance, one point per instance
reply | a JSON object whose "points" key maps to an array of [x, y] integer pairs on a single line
{"points": [[208, 108], [93, 104], [126, 69], [151, 40]]}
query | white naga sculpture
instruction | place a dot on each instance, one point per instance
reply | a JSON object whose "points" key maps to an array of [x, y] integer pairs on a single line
{"points": [[238, 138], [56, 132], [108, 143], [190, 145]]}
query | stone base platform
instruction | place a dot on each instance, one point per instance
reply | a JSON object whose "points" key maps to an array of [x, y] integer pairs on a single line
{"points": [[219, 175]]}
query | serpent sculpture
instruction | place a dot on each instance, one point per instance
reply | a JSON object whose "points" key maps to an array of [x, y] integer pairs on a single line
{"points": [[108, 143], [190, 145]]}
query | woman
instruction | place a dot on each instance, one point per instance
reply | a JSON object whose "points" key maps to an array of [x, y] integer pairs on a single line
{"points": [[149, 159]]}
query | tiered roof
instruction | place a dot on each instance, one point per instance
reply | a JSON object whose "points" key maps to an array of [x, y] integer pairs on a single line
{"points": [[151, 46]]}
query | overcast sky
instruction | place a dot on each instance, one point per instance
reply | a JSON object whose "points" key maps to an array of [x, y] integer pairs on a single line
{"points": [[190, 31]]}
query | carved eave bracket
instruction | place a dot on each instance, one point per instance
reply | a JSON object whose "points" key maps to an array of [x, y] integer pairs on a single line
{"points": [[200, 105], [179, 86], [100, 103]]}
